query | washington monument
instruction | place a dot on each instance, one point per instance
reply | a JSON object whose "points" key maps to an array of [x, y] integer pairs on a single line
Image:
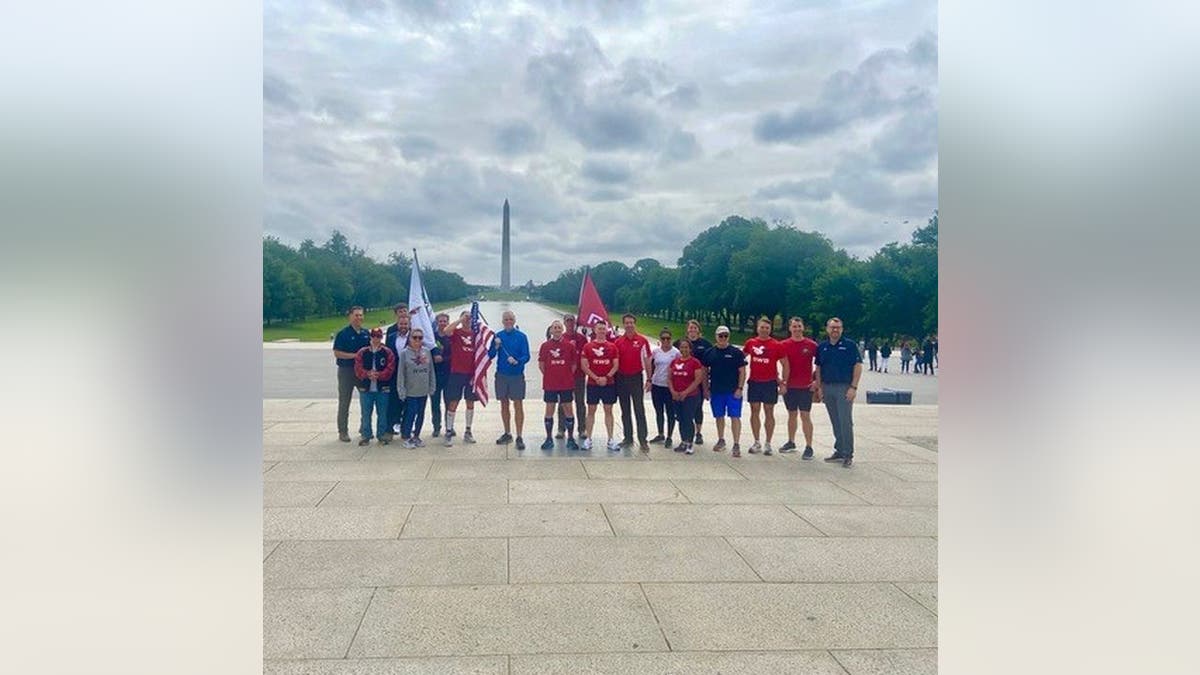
{"points": [[505, 256]]}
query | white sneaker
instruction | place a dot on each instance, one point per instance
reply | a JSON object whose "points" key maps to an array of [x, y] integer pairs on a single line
{"points": [[418, 443], [587, 444], [757, 447], [449, 440], [613, 445], [689, 450], [767, 448], [395, 428], [409, 444]]}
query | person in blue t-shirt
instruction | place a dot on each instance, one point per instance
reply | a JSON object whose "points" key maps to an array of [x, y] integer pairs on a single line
{"points": [[510, 348]]}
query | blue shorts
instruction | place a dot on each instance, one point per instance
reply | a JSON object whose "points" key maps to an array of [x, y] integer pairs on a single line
{"points": [[723, 404]]}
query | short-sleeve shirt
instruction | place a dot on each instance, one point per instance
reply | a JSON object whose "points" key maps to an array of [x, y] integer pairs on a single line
{"points": [[579, 339], [800, 354], [600, 357], [661, 361], [631, 350], [558, 357], [350, 340], [836, 361], [764, 359], [723, 367], [683, 372], [462, 352]]}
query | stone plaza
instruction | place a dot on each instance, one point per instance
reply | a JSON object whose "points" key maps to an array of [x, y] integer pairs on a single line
{"points": [[482, 559]]}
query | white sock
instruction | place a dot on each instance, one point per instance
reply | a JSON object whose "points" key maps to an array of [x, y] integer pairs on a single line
{"points": [[449, 421], [470, 416]]}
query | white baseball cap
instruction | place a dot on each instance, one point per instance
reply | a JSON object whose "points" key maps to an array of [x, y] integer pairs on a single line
{"points": [[722, 329]]}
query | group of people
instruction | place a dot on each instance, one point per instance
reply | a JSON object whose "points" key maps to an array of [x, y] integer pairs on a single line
{"points": [[880, 352], [584, 371]]}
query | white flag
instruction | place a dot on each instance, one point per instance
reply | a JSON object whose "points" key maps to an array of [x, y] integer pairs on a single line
{"points": [[419, 311]]}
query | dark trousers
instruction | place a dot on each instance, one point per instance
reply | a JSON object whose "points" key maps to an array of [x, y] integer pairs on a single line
{"points": [[414, 416], [840, 417], [435, 400], [629, 391], [395, 409], [663, 407], [685, 410], [580, 408], [346, 383], [874, 362]]}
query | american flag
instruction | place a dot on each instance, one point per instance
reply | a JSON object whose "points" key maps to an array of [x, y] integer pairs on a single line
{"points": [[483, 337]]}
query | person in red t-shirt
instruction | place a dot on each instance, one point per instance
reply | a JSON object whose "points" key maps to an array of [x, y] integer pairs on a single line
{"points": [[570, 332], [558, 362], [686, 381], [462, 373], [600, 361], [765, 385], [798, 398], [631, 387]]}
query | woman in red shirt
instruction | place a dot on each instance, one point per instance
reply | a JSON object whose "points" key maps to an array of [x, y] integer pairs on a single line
{"points": [[686, 383]]}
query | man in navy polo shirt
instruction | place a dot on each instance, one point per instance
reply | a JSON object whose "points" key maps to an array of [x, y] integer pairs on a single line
{"points": [[345, 347], [838, 368]]}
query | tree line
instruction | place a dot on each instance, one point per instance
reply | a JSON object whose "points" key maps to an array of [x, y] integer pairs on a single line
{"points": [[320, 280], [742, 269]]}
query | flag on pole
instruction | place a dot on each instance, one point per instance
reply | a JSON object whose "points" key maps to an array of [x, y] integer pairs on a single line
{"points": [[420, 312], [483, 337], [591, 307]]}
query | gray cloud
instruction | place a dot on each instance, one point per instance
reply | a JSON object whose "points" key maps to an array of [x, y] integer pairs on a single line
{"points": [[681, 146], [517, 137], [810, 190], [417, 146], [277, 92], [684, 97], [606, 171]]}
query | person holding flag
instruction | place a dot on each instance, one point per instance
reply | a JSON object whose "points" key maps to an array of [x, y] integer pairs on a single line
{"points": [[460, 384], [512, 348]]}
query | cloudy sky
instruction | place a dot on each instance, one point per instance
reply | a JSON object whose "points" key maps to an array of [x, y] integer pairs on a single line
{"points": [[617, 130]]}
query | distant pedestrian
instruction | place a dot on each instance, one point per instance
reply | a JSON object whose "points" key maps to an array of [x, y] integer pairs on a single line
{"points": [[935, 350], [374, 368], [686, 385], [416, 378], [839, 367], [600, 362], [661, 357], [927, 353], [345, 348], [906, 355], [558, 361], [725, 367], [798, 398], [633, 381], [885, 353], [510, 348], [873, 353]]}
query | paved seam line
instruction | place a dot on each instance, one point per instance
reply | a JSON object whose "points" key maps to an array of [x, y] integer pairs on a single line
{"points": [[335, 484], [610, 525], [823, 532], [405, 523], [360, 622], [655, 615], [837, 661], [739, 553], [906, 593]]}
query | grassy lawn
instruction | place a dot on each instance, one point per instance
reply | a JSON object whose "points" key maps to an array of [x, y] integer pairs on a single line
{"points": [[649, 325], [320, 330]]}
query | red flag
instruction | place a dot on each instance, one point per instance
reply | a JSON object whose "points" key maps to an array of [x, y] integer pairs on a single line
{"points": [[591, 308]]}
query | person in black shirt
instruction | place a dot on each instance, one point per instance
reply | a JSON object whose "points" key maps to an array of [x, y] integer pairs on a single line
{"points": [[885, 353], [345, 347], [873, 352], [699, 347], [441, 370], [726, 369]]}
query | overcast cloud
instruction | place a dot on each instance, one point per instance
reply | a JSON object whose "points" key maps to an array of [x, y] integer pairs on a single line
{"points": [[616, 130]]}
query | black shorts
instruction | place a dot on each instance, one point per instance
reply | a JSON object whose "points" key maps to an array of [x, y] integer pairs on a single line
{"points": [[559, 396], [798, 399], [597, 394], [762, 392], [458, 387]]}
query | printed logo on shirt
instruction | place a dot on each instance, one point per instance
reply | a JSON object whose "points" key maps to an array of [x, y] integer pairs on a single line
{"points": [[555, 353], [758, 349], [598, 351]]}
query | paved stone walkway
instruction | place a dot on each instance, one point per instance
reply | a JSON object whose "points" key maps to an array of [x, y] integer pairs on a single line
{"points": [[480, 559]]}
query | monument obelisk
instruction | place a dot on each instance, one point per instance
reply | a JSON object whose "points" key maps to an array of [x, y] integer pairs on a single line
{"points": [[505, 256]]}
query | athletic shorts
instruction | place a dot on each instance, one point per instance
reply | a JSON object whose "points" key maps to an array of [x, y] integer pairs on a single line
{"points": [[559, 396], [458, 387], [763, 392], [597, 394], [723, 404], [511, 387], [798, 399]]}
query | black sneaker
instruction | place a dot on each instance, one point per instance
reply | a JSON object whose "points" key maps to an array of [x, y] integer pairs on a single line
{"points": [[808, 454], [365, 441], [681, 447], [345, 438], [450, 433], [834, 458], [520, 443], [719, 446], [656, 439], [787, 447], [699, 440], [548, 444], [643, 446], [847, 462], [504, 438], [666, 443], [571, 444], [626, 442], [436, 432]]}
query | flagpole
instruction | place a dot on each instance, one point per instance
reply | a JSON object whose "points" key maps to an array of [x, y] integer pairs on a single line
{"points": [[579, 303]]}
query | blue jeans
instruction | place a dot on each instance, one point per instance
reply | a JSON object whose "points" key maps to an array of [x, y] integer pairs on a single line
{"points": [[414, 416], [377, 400]]}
